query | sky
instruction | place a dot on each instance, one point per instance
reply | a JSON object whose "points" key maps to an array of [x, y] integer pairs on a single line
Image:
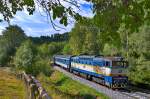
{"points": [[37, 25]]}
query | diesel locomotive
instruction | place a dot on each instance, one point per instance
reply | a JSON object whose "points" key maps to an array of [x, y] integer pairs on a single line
{"points": [[108, 71]]}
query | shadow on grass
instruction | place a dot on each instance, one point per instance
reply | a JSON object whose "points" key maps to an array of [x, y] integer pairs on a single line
{"points": [[87, 96], [59, 83], [66, 95]]}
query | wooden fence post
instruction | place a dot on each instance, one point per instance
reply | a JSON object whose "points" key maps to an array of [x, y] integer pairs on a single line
{"points": [[34, 87]]}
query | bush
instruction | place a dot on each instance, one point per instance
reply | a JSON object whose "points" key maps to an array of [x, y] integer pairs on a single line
{"points": [[34, 61], [24, 56], [41, 65]]}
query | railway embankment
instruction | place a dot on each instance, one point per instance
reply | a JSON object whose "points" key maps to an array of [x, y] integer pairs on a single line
{"points": [[113, 94], [60, 86]]}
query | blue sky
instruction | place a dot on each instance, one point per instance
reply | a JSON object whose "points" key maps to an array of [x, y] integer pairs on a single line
{"points": [[36, 25]]}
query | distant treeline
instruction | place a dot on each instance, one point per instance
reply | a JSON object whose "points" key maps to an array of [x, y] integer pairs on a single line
{"points": [[53, 38]]}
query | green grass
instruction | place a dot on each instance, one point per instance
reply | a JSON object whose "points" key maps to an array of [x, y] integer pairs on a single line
{"points": [[10, 87], [59, 86]]}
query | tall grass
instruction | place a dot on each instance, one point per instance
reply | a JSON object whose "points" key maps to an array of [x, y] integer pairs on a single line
{"points": [[61, 87], [10, 87]]}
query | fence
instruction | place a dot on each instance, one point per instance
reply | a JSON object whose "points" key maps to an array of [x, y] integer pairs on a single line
{"points": [[34, 88]]}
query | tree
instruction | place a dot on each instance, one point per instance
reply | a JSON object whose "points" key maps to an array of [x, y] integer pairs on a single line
{"points": [[11, 38], [43, 50], [110, 50], [3, 52], [24, 56], [77, 37], [32, 59], [14, 35], [53, 38], [56, 48], [90, 45], [139, 56], [67, 50], [111, 14]]}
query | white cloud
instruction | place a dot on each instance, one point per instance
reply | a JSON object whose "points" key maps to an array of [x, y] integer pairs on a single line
{"points": [[2, 26], [37, 25], [1, 32], [83, 2], [23, 17]]}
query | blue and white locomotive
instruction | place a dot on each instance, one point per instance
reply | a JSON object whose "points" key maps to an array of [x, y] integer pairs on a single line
{"points": [[109, 71]]}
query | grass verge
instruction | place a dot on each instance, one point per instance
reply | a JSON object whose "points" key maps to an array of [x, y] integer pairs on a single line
{"points": [[59, 86], [10, 87]]}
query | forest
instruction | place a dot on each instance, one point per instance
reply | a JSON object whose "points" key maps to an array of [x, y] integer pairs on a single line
{"points": [[119, 28]]}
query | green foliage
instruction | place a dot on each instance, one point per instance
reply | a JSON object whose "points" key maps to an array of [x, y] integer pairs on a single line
{"points": [[24, 56], [67, 49], [110, 14], [90, 45], [43, 50], [139, 73], [36, 59], [55, 48], [11, 38], [32, 59], [53, 38], [76, 39], [110, 50], [139, 52], [83, 40], [3, 53], [14, 35], [39, 65]]}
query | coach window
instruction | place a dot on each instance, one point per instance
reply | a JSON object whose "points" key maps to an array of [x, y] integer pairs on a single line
{"points": [[107, 63], [85, 62], [91, 63], [88, 62]]}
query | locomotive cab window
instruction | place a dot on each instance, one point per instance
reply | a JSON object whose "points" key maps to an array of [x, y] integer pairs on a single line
{"points": [[119, 64]]}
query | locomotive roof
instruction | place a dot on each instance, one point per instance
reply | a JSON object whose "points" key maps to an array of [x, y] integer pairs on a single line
{"points": [[63, 56], [114, 58], [92, 57], [99, 58]]}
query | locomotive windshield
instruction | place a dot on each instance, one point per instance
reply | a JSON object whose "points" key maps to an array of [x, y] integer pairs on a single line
{"points": [[119, 64]]}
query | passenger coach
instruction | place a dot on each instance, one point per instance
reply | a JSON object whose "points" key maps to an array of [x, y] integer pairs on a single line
{"points": [[63, 61]]}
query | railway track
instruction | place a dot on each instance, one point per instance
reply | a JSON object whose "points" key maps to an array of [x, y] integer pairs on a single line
{"points": [[113, 94], [137, 93]]}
